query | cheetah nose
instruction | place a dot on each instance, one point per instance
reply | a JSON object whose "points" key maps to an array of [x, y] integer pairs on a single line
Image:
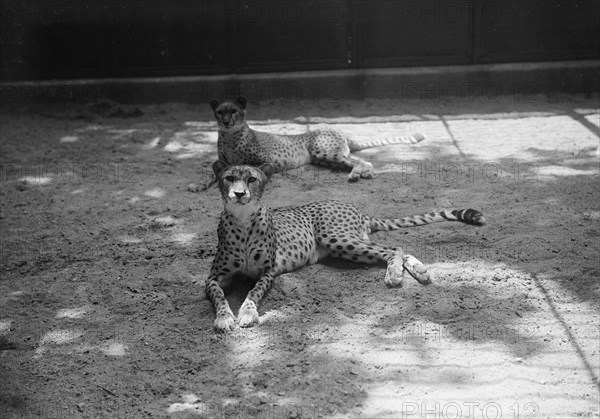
{"points": [[240, 194]]}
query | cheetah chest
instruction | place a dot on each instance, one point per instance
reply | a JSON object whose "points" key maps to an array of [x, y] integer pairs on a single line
{"points": [[250, 249]]}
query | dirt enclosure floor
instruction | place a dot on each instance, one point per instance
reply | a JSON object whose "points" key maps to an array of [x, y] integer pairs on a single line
{"points": [[105, 252]]}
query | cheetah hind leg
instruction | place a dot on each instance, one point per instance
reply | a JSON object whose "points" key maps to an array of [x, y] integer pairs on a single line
{"points": [[416, 269], [338, 155], [399, 263], [394, 275], [360, 169]]}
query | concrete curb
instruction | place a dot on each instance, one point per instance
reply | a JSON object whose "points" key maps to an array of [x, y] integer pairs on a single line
{"points": [[443, 83]]}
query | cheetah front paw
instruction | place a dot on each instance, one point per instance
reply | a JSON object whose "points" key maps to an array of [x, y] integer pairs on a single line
{"points": [[225, 321], [248, 315], [416, 269]]}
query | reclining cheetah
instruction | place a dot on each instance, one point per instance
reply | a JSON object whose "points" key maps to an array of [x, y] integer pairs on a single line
{"points": [[263, 243], [240, 144]]}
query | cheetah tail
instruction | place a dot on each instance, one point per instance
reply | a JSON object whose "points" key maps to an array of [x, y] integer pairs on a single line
{"points": [[468, 216], [405, 139]]}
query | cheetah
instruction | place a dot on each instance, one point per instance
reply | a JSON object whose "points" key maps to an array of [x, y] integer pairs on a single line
{"points": [[240, 144], [261, 243]]}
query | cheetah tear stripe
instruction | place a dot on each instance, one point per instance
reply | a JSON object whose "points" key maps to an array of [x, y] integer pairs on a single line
{"points": [[407, 139]]}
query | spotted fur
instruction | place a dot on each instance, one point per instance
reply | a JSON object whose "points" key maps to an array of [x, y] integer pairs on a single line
{"points": [[240, 144], [262, 243]]}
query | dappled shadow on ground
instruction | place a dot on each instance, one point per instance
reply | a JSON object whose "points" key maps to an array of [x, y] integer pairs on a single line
{"points": [[103, 273]]}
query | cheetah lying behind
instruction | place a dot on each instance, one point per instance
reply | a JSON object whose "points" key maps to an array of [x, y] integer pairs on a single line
{"points": [[240, 144], [262, 243]]}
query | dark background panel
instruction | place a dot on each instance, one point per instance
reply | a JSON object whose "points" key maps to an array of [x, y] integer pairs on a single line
{"points": [[69, 39], [164, 38], [103, 38], [536, 30], [291, 35], [424, 32]]}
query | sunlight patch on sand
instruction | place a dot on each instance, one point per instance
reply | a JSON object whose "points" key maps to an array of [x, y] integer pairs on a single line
{"points": [[155, 193], [166, 221], [192, 142], [72, 313], [119, 134], [189, 149], [93, 127], [130, 239], [5, 326], [184, 238], [201, 125], [114, 349], [192, 403], [592, 215], [492, 140], [550, 171], [152, 144], [60, 337], [186, 156], [37, 180], [57, 337], [593, 119], [173, 146]]}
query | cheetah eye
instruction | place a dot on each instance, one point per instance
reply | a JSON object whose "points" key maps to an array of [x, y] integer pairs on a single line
{"points": [[251, 179], [229, 178]]}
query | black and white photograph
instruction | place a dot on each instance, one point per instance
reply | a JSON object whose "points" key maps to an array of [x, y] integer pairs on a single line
{"points": [[300, 209]]}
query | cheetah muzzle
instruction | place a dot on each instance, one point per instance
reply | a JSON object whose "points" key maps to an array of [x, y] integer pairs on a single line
{"points": [[263, 243]]}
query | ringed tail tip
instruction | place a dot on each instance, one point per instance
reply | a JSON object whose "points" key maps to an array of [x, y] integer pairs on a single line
{"points": [[479, 220], [474, 217], [469, 216]]}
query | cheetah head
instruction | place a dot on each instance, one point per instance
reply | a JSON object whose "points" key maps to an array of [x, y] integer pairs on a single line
{"points": [[242, 187], [230, 114]]}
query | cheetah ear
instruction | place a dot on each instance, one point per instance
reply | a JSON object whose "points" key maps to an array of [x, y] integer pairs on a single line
{"points": [[214, 104], [242, 101], [219, 166], [268, 169]]}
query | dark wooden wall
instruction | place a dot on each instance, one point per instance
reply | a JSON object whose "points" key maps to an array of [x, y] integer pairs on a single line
{"points": [[58, 39]]}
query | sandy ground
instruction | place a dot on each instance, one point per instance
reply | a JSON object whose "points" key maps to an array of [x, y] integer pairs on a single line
{"points": [[105, 253]]}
